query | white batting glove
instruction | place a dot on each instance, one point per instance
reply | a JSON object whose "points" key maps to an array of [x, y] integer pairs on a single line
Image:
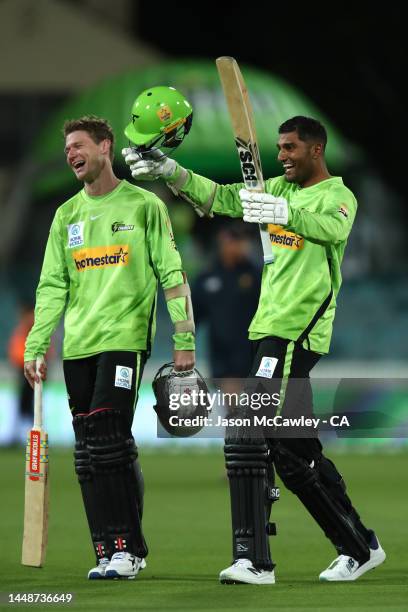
{"points": [[150, 167], [263, 208]]}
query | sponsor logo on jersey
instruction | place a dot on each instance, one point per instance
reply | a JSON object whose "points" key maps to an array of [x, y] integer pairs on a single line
{"points": [[164, 113], [121, 227], [267, 367], [75, 234], [344, 211], [101, 257], [283, 238], [123, 377]]}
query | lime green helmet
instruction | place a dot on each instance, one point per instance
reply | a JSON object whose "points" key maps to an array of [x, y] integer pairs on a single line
{"points": [[161, 116]]}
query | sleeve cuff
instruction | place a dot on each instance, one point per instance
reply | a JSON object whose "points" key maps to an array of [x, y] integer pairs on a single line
{"points": [[184, 341], [178, 179], [175, 176]]}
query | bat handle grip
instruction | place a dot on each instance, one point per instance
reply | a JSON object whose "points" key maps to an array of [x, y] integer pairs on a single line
{"points": [[38, 396]]}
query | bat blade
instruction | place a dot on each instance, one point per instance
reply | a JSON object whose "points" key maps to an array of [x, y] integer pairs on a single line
{"points": [[36, 497], [243, 126]]}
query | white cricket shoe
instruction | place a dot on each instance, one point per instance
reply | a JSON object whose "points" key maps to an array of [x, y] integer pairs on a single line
{"points": [[346, 568], [242, 571], [98, 572], [124, 565]]}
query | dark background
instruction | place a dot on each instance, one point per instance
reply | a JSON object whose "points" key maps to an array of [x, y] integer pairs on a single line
{"points": [[351, 62]]}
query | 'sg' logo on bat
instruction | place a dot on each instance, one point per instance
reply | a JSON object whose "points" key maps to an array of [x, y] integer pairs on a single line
{"points": [[247, 156]]}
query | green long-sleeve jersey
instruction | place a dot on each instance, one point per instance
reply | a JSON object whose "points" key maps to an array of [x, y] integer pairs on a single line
{"points": [[104, 258], [298, 292]]}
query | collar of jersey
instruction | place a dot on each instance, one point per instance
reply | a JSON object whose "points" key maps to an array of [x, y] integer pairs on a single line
{"points": [[105, 197], [332, 179]]}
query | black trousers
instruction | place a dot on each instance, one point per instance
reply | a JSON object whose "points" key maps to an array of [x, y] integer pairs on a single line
{"points": [[107, 380], [295, 363], [102, 392]]}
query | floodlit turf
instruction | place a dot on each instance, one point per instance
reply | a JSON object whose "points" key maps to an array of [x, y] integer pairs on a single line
{"points": [[187, 529]]}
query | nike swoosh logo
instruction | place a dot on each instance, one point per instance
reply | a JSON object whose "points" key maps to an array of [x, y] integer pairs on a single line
{"points": [[95, 217]]}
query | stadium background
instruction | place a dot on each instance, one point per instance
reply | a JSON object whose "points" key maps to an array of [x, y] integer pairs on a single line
{"points": [[60, 58]]}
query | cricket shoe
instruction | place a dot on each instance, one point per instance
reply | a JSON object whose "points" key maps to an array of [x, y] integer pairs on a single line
{"points": [[124, 565], [243, 572], [346, 568], [98, 572]]}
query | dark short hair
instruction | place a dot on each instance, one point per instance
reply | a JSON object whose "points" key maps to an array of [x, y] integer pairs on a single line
{"points": [[98, 129], [308, 129]]}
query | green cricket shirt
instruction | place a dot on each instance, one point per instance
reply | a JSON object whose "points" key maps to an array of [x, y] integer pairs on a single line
{"points": [[104, 258], [298, 292]]}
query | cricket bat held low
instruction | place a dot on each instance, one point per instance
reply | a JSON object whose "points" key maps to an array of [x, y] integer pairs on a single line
{"points": [[243, 126], [36, 487]]}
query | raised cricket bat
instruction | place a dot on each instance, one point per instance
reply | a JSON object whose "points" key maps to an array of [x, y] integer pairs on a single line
{"points": [[36, 487], [243, 126]]}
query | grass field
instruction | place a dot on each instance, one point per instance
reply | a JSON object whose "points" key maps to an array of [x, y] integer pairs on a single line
{"points": [[187, 528]]}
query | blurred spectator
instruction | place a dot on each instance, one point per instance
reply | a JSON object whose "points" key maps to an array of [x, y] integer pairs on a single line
{"points": [[226, 297], [25, 394]]}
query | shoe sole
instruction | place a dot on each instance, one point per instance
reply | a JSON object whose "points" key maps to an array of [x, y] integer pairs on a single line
{"points": [[113, 575], [369, 565], [236, 581], [95, 576]]}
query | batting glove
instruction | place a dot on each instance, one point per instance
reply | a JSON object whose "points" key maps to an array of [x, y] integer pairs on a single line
{"points": [[150, 166], [263, 208]]}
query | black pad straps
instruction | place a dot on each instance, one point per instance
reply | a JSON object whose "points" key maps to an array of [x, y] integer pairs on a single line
{"points": [[114, 499], [336, 521], [252, 494]]}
